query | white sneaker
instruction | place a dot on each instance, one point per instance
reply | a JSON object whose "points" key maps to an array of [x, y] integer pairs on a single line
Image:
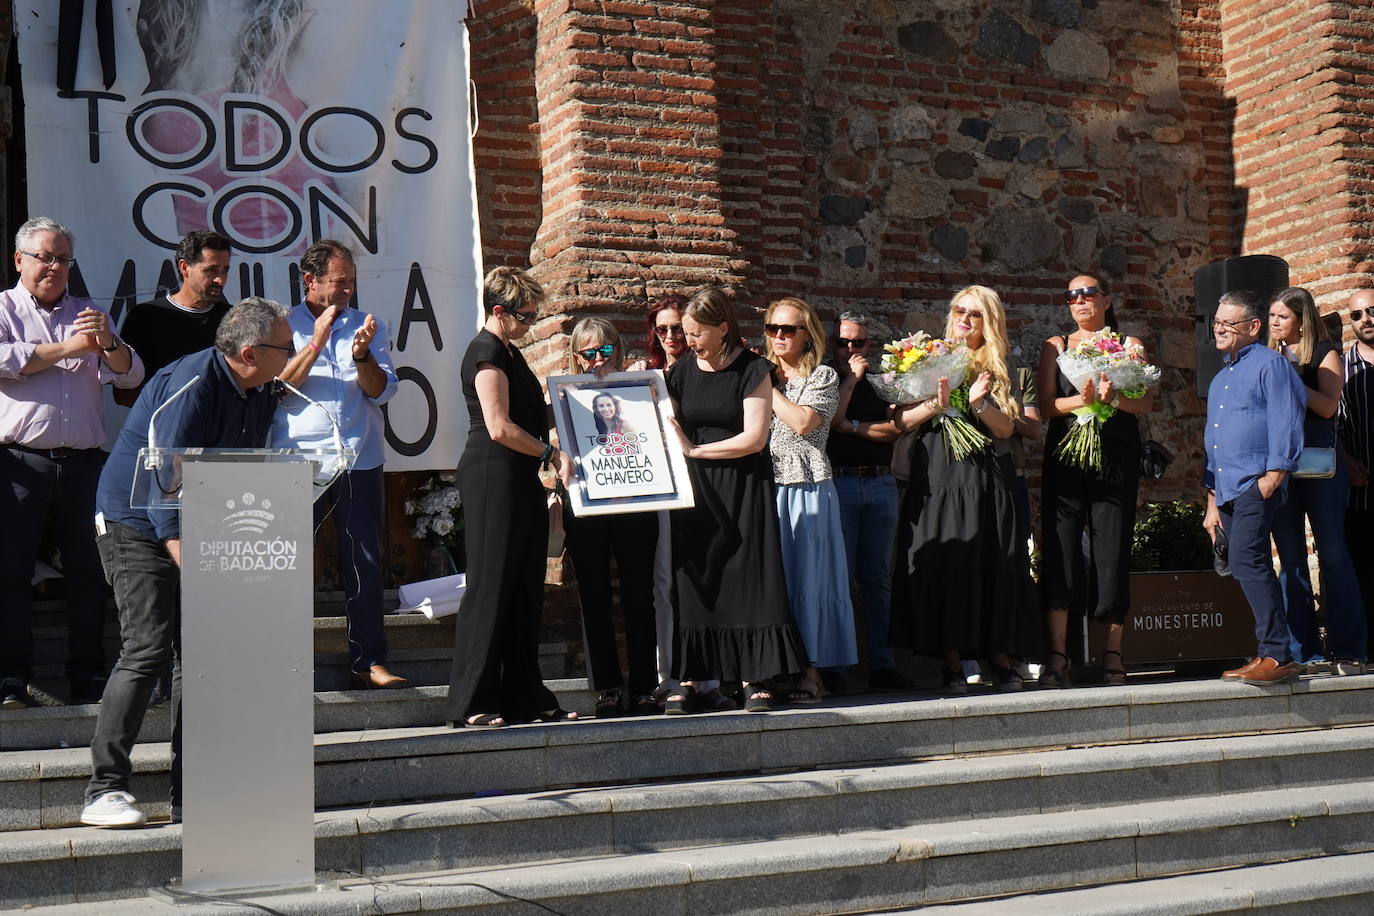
{"points": [[113, 809]]}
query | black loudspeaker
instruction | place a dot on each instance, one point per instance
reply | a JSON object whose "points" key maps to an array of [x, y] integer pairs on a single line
{"points": [[1262, 274]]}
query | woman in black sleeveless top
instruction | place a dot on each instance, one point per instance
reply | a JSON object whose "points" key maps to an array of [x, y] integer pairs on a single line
{"points": [[1074, 499], [495, 677], [1296, 330]]}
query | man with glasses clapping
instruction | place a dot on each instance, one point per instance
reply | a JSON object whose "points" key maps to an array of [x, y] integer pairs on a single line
{"points": [[56, 351]]}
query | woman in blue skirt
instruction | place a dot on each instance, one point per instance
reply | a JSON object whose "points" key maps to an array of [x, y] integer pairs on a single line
{"points": [[805, 394]]}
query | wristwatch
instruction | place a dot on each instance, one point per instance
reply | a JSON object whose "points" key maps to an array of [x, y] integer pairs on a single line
{"points": [[367, 355], [112, 348], [854, 427]]}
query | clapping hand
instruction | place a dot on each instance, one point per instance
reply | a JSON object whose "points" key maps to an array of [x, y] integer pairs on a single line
{"points": [[94, 326], [980, 388], [362, 338], [858, 365]]}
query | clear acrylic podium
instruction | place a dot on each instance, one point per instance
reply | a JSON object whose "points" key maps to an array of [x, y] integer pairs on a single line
{"points": [[247, 592]]}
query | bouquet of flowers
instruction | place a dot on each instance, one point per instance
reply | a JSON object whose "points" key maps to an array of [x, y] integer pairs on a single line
{"points": [[438, 511], [911, 370], [1102, 353]]}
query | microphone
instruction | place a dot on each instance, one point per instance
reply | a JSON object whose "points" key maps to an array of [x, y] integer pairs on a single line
{"points": [[338, 431], [151, 461]]}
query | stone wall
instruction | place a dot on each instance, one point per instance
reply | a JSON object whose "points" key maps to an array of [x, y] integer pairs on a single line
{"points": [[880, 154]]}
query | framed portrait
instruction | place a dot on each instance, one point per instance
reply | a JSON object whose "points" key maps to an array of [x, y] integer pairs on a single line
{"points": [[625, 453]]}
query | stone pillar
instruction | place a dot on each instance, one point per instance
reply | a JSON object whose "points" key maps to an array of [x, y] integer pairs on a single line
{"points": [[1301, 81], [630, 107]]}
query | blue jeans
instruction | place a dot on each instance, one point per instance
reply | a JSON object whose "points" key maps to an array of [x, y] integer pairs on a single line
{"points": [[1248, 520], [147, 587], [1322, 502], [868, 518]]}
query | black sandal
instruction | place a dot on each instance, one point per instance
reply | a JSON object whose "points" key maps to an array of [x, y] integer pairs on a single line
{"points": [[1051, 679], [679, 702], [1008, 681], [760, 700], [645, 705], [608, 704], [558, 714], [1114, 677], [482, 720]]}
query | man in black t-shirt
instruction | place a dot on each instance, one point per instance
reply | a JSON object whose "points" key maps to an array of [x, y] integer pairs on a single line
{"points": [[860, 450], [165, 329]]}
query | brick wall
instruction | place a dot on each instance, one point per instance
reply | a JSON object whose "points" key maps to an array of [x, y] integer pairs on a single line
{"points": [[873, 154], [1300, 77]]}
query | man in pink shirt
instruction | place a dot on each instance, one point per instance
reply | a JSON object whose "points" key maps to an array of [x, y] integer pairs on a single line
{"points": [[55, 353]]}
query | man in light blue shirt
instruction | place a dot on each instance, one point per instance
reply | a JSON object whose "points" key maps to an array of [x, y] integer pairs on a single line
{"points": [[1253, 441], [343, 362]]}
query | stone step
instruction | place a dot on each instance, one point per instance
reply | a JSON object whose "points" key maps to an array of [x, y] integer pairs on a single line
{"points": [[335, 710], [385, 765], [861, 871], [492, 832], [1335, 884]]}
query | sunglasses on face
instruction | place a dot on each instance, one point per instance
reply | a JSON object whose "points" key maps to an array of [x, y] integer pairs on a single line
{"points": [[857, 343], [668, 330], [962, 312], [605, 350], [786, 330], [1357, 314], [1086, 292], [524, 317]]}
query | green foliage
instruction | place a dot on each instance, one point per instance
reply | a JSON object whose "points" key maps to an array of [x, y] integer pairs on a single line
{"points": [[1171, 537]]}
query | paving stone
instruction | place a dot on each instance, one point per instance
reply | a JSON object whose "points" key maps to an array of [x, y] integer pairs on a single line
{"points": [[1048, 728], [1028, 870], [1210, 717]]}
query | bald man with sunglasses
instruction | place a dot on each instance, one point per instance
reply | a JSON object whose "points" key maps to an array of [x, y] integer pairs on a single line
{"points": [[1355, 424]]}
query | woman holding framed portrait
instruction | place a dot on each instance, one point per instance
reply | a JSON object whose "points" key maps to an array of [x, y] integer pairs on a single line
{"points": [[734, 621], [631, 538]]}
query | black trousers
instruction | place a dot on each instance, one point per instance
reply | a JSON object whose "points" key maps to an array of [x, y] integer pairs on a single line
{"points": [[30, 486], [147, 586], [1359, 540], [496, 637], [1072, 501], [632, 539]]}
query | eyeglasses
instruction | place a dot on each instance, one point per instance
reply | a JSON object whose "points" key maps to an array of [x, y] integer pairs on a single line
{"points": [[1357, 314], [962, 312], [605, 350], [288, 350], [1085, 292], [49, 260], [668, 330], [858, 343], [1217, 323], [786, 330]]}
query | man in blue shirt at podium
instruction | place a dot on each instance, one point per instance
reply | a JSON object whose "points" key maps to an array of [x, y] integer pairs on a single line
{"points": [[219, 397]]}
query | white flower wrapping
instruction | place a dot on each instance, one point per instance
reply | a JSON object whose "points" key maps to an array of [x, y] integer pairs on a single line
{"points": [[1130, 377], [922, 382], [433, 504]]}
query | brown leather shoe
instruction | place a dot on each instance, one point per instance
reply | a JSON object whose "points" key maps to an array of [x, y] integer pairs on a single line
{"points": [[1271, 671], [378, 677], [1236, 674]]}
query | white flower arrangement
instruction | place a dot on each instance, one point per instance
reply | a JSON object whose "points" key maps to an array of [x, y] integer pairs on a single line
{"points": [[437, 508]]}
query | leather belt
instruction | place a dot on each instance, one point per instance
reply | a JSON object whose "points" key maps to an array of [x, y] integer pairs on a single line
{"points": [[867, 470], [54, 454]]}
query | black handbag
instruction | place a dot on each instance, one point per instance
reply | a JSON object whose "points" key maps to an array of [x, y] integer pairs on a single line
{"points": [[1154, 458]]}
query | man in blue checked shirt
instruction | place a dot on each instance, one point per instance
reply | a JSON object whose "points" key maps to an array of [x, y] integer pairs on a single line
{"points": [[1253, 441], [343, 362]]}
